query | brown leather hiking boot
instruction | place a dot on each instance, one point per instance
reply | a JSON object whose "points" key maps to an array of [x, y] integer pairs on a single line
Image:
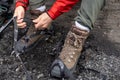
{"points": [[64, 66], [31, 38], [30, 15]]}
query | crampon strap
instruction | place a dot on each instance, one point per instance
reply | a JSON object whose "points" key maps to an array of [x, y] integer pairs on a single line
{"points": [[28, 77], [64, 72]]}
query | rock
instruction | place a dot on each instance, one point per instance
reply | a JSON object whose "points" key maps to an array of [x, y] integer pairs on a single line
{"points": [[24, 78], [1, 61], [17, 69], [39, 76]]}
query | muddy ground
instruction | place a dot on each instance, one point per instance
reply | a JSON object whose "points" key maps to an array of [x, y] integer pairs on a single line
{"points": [[100, 59]]}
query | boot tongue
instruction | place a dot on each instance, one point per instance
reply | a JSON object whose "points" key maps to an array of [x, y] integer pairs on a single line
{"points": [[35, 13]]}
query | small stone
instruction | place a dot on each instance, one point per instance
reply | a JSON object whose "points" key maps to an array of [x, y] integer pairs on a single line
{"points": [[1, 61], [50, 40], [17, 69], [73, 52], [34, 70], [24, 78], [40, 75], [71, 56], [104, 59], [111, 65], [58, 34]]}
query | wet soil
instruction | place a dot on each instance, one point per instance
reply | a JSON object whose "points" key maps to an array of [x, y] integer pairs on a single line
{"points": [[100, 59]]}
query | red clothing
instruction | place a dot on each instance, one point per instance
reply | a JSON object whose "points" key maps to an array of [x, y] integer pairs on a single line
{"points": [[23, 3], [59, 7]]}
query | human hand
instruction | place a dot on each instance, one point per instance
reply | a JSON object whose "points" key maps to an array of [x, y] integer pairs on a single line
{"points": [[43, 21], [20, 13]]}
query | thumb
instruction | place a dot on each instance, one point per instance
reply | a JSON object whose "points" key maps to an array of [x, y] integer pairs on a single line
{"points": [[15, 14], [35, 20]]}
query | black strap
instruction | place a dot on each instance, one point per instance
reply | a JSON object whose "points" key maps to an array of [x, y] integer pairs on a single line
{"points": [[6, 25], [15, 34], [63, 70], [15, 50]]}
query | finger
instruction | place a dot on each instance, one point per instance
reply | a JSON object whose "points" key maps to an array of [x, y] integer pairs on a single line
{"points": [[15, 14], [19, 21], [38, 25], [37, 20], [22, 25], [45, 26]]}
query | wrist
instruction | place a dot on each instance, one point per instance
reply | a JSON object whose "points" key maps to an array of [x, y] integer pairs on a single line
{"points": [[49, 15], [18, 3], [20, 8]]}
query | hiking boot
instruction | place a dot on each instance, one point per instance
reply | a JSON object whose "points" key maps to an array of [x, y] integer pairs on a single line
{"points": [[33, 14], [64, 65], [31, 39]]}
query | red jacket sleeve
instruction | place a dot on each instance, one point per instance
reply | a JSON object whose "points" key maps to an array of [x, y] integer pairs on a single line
{"points": [[23, 3], [60, 6]]}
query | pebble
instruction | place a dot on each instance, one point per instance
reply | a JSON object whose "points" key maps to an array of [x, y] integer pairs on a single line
{"points": [[17, 69], [1, 61], [39, 76], [34, 70], [24, 78]]}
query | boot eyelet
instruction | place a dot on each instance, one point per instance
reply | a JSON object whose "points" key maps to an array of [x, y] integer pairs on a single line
{"points": [[71, 56], [73, 53], [69, 60]]}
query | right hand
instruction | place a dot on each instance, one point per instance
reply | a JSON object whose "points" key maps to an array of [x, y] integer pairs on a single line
{"points": [[20, 13]]}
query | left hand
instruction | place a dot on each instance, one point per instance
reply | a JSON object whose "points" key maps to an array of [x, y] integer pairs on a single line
{"points": [[43, 21], [20, 13]]}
